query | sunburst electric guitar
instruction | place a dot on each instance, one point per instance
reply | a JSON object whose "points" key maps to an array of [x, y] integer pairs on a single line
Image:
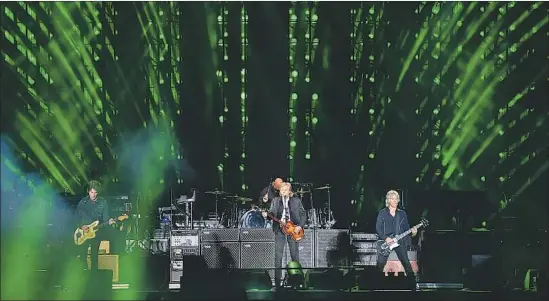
{"points": [[289, 228], [80, 236]]}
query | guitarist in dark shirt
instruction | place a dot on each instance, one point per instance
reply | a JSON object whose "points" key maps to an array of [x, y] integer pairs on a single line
{"points": [[92, 208], [393, 221]]}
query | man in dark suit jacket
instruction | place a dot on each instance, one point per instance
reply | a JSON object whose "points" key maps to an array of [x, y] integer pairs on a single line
{"points": [[286, 207]]}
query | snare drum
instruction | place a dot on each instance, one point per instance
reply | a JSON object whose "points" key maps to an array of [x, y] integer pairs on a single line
{"points": [[252, 219]]}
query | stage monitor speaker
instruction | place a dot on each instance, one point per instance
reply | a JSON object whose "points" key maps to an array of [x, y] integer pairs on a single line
{"points": [[371, 278], [221, 254], [329, 279], [332, 247], [219, 235]]}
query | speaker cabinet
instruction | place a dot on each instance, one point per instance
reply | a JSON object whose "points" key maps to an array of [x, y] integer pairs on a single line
{"points": [[258, 255], [332, 247], [306, 251], [219, 235], [263, 234], [107, 262], [221, 254]]}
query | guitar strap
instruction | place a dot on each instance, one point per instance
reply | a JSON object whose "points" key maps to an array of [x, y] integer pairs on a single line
{"points": [[397, 221]]}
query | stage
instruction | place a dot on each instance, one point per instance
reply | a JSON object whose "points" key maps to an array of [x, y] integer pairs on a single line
{"points": [[422, 294]]}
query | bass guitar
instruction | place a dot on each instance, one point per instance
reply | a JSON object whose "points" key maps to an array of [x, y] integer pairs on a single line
{"points": [[384, 249], [81, 236], [288, 228]]}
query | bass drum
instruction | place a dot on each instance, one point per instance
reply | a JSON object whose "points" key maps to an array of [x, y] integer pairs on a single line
{"points": [[252, 219]]}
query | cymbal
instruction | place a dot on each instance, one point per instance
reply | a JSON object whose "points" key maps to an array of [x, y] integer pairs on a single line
{"points": [[243, 200], [216, 192], [323, 187], [302, 191]]}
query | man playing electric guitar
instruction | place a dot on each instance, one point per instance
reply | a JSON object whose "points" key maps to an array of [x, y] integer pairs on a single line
{"points": [[90, 209], [393, 221], [286, 207]]}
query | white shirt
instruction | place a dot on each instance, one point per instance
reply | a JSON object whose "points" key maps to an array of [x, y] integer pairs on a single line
{"points": [[285, 201]]}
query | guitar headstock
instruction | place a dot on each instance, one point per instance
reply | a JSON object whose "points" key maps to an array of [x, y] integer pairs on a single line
{"points": [[424, 222]]}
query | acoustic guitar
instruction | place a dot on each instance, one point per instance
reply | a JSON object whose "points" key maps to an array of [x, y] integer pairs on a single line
{"points": [[81, 236], [289, 228]]}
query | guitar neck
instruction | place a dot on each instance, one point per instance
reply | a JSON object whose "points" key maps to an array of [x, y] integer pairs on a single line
{"points": [[403, 234], [274, 218]]}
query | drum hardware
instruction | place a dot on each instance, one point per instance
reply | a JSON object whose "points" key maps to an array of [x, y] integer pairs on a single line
{"points": [[330, 221], [188, 208], [135, 235], [301, 192], [216, 193], [233, 217], [252, 219], [239, 199], [313, 217]]}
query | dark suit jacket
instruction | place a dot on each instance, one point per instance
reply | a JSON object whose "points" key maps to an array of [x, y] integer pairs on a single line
{"points": [[297, 212]]}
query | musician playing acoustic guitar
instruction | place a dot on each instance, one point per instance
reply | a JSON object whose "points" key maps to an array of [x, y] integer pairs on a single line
{"points": [[286, 207], [393, 221], [92, 208]]}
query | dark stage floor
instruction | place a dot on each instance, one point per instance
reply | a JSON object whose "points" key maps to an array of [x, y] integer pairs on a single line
{"points": [[446, 295]]}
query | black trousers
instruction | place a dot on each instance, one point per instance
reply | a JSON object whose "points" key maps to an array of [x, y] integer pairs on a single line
{"points": [[402, 253], [280, 243], [94, 253], [103, 234]]}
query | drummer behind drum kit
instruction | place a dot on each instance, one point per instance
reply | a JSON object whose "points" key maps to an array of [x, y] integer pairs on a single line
{"points": [[236, 212]]}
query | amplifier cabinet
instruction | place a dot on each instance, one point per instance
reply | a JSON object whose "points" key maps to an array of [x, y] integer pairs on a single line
{"points": [[357, 236], [221, 254], [329, 246], [184, 238], [219, 235], [365, 245], [258, 255], [176, 271], [107, 262], [177, 253], [364, 257], [261, 234], [176, 261], [306, 251]]}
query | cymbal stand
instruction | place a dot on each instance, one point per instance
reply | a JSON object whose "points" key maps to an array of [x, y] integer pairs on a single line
{"points": [[133, 236], [189, 211], [216, 213], [330, 218], [316, 223]]}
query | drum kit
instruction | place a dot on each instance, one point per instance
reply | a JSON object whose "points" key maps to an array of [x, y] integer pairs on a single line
{"points": [[317, 218], [234, 211]]}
